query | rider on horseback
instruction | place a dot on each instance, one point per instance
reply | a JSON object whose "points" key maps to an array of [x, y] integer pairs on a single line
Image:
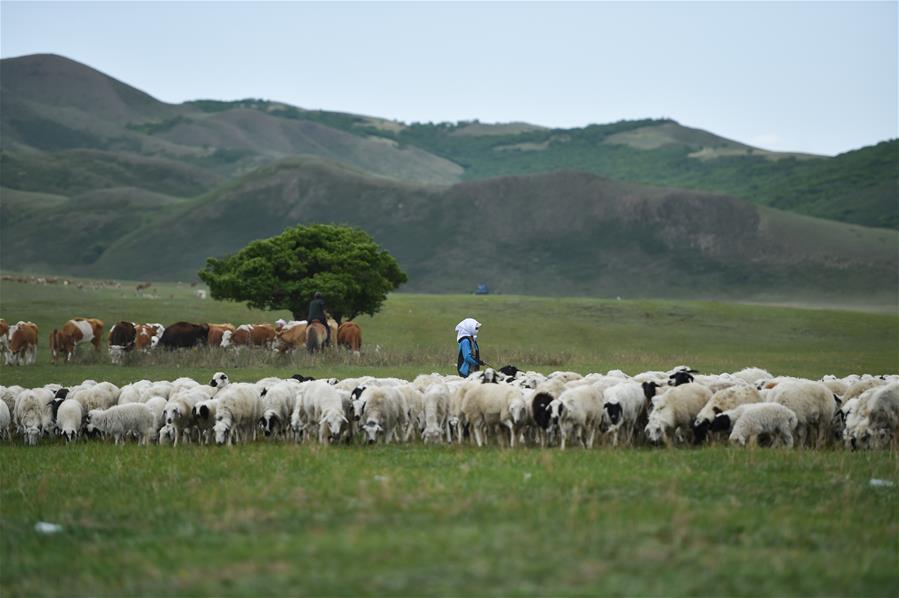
{"points": [[317, 314]]}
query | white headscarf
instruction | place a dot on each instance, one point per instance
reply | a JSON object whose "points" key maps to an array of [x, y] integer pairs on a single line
{"points": [[467, 327]]}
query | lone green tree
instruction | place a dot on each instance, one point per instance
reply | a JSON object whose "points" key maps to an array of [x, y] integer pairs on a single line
{"points": [[343, 263]]}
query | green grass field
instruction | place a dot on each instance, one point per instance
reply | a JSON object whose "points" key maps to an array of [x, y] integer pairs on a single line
{"points": [[411, 520], [416, 520]]}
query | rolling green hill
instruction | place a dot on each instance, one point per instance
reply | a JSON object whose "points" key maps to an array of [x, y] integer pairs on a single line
{"points": [[52, 104], [568, 233], [98, 178]]}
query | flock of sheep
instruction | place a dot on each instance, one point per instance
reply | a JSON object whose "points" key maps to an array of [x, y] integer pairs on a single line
{"points": [[510, 407]]}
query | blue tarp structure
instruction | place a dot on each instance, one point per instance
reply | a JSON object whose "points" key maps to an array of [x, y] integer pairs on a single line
{"points": [[482, 290]]}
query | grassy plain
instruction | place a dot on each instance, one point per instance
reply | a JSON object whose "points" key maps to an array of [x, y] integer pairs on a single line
{"points": [[414, 334], [415, 520]]}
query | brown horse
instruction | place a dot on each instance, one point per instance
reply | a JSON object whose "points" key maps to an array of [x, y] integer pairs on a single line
{"points": [[349, 335], [316, 335]]}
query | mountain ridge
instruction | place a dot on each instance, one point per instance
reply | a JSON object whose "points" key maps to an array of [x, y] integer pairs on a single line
{"points": [[639, 208]]}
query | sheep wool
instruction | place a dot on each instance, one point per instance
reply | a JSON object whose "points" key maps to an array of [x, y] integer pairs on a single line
{"points": [[120, 421], [754, 419]]}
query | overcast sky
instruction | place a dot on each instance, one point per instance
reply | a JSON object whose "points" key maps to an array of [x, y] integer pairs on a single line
{"points": [[810, 76]]}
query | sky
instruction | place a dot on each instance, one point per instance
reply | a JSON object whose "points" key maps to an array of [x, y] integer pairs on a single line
{"points": [[817, 77]]}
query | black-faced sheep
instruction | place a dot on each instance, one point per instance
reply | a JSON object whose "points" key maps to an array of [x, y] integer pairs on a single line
{"points": [[69, 419], [720, 402]]}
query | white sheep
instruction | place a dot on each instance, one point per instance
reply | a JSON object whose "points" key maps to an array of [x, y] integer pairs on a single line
{"points": [[578, 413], [219, 380], [278, 402], [857, 387], [32, 415], [455, 419], [238, 411], [383, 413], [156, 405], [8, 395], [96, 396], [69, 419], [624, 405], [753, 376], [674, 412], [721, 401], [836, 386], [750, 420], [204, 413], [179, 411], [436, 408], [814, 406], [413, 406], [120, 421], [332, 417], [132, 393], [875, 422], [519, 418], [306, 412], [564, 376], [486, 409], [5, 422]]}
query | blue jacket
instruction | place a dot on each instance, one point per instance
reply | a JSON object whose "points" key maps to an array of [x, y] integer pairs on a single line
{"points": [[469, 357]]}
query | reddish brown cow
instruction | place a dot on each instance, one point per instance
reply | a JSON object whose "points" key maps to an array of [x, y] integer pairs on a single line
{"points": [[216, 331], [289, 338], [75, 332], [144, 335], [349, 335], [250, 335], [22, 344]]}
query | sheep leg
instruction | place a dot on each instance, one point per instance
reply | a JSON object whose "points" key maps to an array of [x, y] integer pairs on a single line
{"points": [[787, 438]]}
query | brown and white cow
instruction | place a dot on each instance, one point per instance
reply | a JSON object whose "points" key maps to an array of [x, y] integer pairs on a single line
{"points": [[73, 333], [4, 337], [216, 331], [290, 336], [122, 339], [147, 335], [22, 344], [249, 335]]}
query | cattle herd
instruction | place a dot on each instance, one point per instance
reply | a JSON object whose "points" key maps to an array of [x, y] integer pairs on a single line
{"points": [[508, 407], [19, 342]]}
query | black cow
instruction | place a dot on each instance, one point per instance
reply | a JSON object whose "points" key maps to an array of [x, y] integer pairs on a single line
{"points": [[184, 334]]}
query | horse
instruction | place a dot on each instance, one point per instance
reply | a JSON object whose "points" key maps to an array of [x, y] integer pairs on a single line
{"points": [[349, 335], [316, 335]]}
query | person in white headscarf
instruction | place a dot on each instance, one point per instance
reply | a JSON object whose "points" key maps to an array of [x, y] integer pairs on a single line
{"points": [[469, 358]]}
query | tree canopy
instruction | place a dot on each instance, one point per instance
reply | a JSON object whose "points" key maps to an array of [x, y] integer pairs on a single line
{"points": [[343, 263]]}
